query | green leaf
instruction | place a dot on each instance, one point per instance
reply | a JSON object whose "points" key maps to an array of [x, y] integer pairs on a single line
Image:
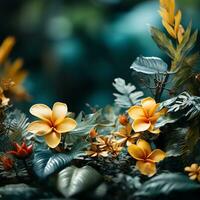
{"points": [[149, 65], [167, 185], [73, 180], [127, 95], [186, 38], [191, 43], [86, 123], [46, 162], [163, 42]]}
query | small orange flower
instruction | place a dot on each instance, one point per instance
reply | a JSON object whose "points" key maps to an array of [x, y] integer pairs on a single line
{"points": [[52, 123], [104, 146], [93, 133], [194, 171], [6, 162], [170, 20], [145, 116], [123, 120], [125, 134], [146, 158], [95, 151], [22, 151]]}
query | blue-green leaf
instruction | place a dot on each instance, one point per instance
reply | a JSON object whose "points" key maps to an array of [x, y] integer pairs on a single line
{"points": [[46, 162], [167, 185], [73, 180], [149, 65]]}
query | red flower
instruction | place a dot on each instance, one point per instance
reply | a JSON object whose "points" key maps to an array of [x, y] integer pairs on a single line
{"points": [[22, 151], [6, 162]]}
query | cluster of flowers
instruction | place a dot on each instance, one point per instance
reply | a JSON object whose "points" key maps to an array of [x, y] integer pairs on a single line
{"points": [[54, 122]]}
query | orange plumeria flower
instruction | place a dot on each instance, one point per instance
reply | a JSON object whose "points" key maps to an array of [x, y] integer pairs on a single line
{"points": [[145, 116], [194, 171], [52, 123], [146, 158], [170, 20], [123, 120]]}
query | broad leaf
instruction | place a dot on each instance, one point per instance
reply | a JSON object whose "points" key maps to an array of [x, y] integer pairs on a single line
{"points": [[167, 185], [46, 162], [149, 65], [73, 180]]}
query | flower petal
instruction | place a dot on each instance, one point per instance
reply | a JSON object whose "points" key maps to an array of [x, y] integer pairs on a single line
{"points": [[146, 168], [128, 129], [66, 125], [193, 177], [59, 112], [136, 112], [155, 117], [39, 127], [148, 104], [52, 139], [145, 146], [157, 155], [164, 14], [152, 130], [177, 21], [194, 167], [136, 152], [171, 8], [169, 29], [187, 169], [41, 111], [140, 125]]}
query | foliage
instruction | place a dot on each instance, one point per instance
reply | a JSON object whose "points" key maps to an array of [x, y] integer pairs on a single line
{"points": [[167, 185], [46, 162], [127, 95], [149, 65], [137, 148], [73, 180]]}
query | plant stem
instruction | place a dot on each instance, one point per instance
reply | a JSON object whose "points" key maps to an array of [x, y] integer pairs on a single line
{"points": [[160, 88]]}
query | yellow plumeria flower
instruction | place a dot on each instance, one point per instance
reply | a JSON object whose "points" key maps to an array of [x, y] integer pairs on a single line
{"points": [[52, 123], [146, 158], [194, 171], [145, 116], [170, 20]]}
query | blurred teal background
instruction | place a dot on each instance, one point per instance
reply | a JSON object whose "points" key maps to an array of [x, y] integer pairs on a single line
{"points": [[73, 49]]}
